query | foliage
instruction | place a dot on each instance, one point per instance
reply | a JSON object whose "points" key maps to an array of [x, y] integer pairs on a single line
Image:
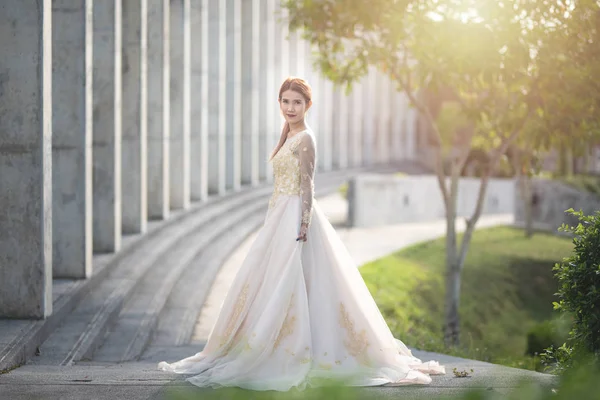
{"points": [[569, 68], [579, 285], [508, 288], [544, 335]]}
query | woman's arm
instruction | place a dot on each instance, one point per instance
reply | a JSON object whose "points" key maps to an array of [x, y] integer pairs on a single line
{"points": [[306, 155]]}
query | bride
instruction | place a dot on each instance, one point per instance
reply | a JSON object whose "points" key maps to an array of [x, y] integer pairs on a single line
{"points": [[298, 311]]}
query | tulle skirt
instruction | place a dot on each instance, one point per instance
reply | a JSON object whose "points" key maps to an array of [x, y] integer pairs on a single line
{"points": [[299, 314]]}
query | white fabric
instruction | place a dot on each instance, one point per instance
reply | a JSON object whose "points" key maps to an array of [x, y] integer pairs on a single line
{"points": [[298, 312]]}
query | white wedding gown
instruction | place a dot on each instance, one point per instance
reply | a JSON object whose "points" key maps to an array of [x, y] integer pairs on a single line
{"points": [[299, 312]]}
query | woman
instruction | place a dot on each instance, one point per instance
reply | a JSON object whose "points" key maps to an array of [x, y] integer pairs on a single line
{"points": [[298, 310]]}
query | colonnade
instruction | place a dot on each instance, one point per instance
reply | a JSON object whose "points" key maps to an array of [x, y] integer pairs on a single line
{"points": [[116, 112]]}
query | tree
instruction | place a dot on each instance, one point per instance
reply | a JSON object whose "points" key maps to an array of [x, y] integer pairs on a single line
{"points": [[568, 118], [479, 53]]}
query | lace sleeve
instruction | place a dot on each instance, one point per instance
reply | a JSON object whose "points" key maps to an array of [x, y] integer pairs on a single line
{"points": [[306, 155]]}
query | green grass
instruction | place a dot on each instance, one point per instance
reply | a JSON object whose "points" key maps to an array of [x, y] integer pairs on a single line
{"points": [[507, 287]]}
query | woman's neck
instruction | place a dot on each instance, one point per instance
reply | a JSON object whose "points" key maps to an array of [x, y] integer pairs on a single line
{"points": [[296, 127]]}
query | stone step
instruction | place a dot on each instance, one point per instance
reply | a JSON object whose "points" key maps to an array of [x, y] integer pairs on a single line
{"points": [[127, 339], [19, 347], [76, 303], [178, 319], [81, 332]]}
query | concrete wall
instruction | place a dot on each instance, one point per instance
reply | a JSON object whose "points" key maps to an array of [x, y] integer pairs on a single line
{"points": [[158, 103], [552, 199], [375, 200]]}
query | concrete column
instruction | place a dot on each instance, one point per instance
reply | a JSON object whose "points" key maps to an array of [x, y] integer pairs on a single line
{"points": [[376, 116], [250, 99], [351, 134], [26, 159], [342, 131], [411, 132], [158, 108], [291, 45], [107, 126], [72, 138], [270, 72], [198, 100], [404, 126], [301, 53], [384, 118], [180, 111], [216, 95], [397, 115], [339, 128], [266, 39], [234, 94], [286, 44], [318, 111], [368, 119], [310, 76], [135, 122], [356, 124], [327, 124], [281, 63], [335, 128]]}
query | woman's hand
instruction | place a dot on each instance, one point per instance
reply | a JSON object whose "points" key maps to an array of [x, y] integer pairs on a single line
{"points": [[303, 231]]}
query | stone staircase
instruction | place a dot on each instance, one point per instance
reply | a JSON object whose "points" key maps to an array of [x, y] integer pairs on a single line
{"points": [[146, 298]]}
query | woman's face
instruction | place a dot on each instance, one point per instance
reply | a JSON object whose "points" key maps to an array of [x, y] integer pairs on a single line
{"points": [[293, 106]]}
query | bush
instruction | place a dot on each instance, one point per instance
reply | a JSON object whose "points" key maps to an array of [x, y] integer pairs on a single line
{"points": [[579, 287], [543, 336]]}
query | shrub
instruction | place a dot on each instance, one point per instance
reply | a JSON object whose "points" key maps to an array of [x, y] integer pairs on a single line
{"points": [[543, 336], [579, 287]]}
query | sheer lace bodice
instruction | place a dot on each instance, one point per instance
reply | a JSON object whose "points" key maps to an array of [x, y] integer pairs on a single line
{"points": [[293, 172]]}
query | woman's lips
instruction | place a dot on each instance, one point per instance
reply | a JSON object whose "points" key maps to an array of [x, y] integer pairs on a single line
{"points": [[291, 115]]}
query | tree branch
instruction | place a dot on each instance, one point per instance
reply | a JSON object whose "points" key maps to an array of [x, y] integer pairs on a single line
{"points": [[464, 246], [439, 166]]}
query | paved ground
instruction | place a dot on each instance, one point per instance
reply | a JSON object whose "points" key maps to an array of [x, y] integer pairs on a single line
{"points": [[141, 380]]}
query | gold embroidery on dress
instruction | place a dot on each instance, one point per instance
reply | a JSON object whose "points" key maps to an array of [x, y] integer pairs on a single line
{"points": [[356, 343], [293, 178], [326, 366], [288, 326], [233, 319], [286, 170]]}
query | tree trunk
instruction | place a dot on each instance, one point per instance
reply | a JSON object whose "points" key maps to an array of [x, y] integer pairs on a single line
{"points": [[452, 301], [569, 162], [528, 203], [526, 191], [587, 160], [451, 318]]}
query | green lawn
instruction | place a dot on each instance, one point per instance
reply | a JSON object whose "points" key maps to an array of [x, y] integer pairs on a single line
{"points": [[507, 286]]}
